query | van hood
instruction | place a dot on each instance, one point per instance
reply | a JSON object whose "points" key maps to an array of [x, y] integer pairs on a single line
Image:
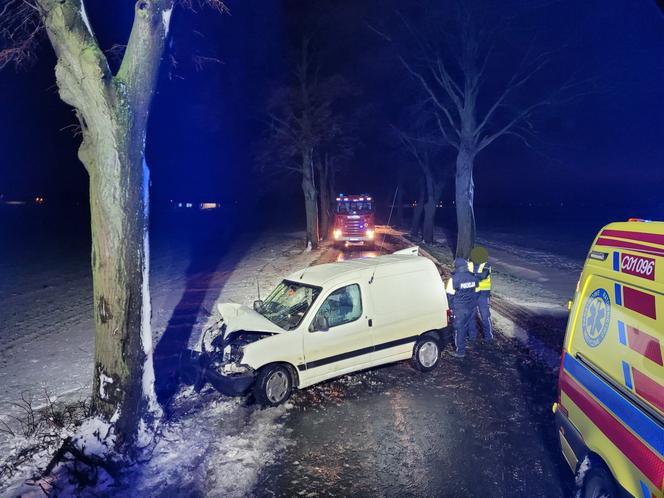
{"points": [[241, 317]]}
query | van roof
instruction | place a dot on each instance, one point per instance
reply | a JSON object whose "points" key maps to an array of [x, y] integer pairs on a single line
{"points": [[320, 275]]}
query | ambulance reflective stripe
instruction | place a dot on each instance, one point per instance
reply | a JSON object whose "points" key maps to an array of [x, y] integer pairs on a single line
{"points": [[655, 251], [648, 389], [651, 238], [641, 342], [643, 303], [635, 434]]}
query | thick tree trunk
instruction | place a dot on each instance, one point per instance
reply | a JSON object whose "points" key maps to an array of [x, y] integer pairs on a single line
{"points": [[310, 201], [123, 388], [416, 222], [465, 194]]}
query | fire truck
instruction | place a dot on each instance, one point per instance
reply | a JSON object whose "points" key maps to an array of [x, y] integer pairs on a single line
{"points": [[354, 223]]}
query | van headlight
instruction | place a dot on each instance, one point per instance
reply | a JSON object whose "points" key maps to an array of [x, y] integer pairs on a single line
{"points": [[370, 234], [336, 233], [235, 368]]}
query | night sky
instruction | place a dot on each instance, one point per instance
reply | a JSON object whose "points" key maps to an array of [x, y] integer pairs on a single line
{"points": [[605, 148]]}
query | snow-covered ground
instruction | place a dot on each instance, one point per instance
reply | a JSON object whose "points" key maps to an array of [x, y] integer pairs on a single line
{"points": [[47, 340]]}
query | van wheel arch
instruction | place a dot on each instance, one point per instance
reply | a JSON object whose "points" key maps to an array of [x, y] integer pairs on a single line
{"points": [[295, 376], [434, 334]]}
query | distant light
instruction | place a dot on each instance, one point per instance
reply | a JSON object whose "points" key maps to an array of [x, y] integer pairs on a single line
{"points": [[188, 204], [179, 204], [210, 205]]}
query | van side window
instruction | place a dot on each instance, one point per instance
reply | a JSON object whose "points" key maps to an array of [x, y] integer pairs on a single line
{"points": [[344, 305]]}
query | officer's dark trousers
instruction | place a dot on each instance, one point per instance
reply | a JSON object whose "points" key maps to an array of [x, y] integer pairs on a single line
{"points": [[483, 299], [485, 314], [462, 319]]}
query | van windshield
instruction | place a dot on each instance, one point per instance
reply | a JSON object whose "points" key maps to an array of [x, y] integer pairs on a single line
{"points": [[288, 304]]}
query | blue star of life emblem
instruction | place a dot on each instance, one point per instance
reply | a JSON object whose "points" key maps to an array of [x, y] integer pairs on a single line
{"points": [[596, 317]]}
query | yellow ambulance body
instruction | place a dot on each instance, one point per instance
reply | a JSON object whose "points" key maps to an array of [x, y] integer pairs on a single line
{"points": [[610, 409]]}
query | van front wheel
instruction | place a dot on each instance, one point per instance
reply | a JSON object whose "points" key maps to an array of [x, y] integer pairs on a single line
{"points": [[426, 354], [273, 385]]}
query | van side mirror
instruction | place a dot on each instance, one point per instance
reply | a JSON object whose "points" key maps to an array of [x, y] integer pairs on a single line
{"points": [[258, 304], [320, 324]]}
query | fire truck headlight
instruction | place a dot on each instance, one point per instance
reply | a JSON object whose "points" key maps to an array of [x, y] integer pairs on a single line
{"points": [[370, 234], [336, 233]]}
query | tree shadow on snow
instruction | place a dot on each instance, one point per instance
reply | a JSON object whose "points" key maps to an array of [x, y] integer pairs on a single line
{"points": [[213, 258]]}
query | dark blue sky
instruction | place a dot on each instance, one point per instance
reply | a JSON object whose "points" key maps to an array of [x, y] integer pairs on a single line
{"points": [[605, 148]]}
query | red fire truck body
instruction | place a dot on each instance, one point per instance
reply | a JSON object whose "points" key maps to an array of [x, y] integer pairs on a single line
{"points": [[354, 223]]}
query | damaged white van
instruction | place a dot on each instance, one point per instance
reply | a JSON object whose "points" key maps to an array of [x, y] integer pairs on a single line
{"points": [[325, 321]]}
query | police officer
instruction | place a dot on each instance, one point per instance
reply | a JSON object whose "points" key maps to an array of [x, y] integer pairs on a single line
{"points": [[479, 257], [462, 298]]}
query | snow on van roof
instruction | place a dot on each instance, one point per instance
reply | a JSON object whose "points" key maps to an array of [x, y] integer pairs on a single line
{"points": [[321, 274]]}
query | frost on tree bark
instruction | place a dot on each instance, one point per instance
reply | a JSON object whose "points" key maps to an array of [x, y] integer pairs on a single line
{"points": [[113, 113]]}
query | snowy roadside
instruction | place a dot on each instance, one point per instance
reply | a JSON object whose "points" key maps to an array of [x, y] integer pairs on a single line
{"points": [[210, 438], [525, 282]]}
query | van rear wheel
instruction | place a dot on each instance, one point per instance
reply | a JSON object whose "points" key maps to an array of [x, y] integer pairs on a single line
{"points": [[598, 483], [273, 385], [426, 354]]}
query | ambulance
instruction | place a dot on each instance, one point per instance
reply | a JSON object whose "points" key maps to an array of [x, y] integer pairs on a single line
{"points": [[610, 408]]}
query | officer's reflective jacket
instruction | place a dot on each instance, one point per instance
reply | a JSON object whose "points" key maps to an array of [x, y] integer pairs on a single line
{"points": [[483, 274], [462, 286]]}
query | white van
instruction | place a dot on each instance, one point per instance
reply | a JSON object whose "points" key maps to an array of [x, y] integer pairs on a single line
{"points": [[328, 320]]}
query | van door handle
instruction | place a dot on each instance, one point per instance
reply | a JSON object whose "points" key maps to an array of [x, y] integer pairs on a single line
{"points": [[370, 322]]}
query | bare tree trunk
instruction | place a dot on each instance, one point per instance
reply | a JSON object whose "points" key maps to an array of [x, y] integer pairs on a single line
{"points": [[119, 185], [429, 209], [416, 222], [465, 194], [325, 200], [310, 200]]}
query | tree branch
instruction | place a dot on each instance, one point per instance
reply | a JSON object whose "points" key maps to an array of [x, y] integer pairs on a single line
{"points": [[518, 79], [520, 117], [442, 107], [140, 65]]}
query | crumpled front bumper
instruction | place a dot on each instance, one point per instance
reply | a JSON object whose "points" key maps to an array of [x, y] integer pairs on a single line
{"points": [[197, 369]]}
